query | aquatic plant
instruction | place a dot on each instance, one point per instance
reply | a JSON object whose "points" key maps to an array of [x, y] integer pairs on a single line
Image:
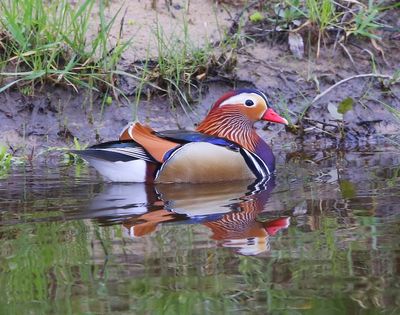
{"points": [[5, 160], [72, 158]]}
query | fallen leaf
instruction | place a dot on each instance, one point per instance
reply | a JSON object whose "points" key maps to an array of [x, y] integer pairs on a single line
{"points": [[296, 45], [333, 110], [379, 48]]}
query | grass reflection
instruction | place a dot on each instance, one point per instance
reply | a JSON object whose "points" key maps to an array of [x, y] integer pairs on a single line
{"points": [[79, 268], [340, 255], [40, 263]]}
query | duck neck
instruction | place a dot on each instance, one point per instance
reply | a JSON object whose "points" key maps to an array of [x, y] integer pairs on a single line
{"points": [[235, 127], [231, 125], [264, 151]]}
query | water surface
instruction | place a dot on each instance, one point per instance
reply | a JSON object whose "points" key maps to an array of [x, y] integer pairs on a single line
{"points": [[322, 238]]}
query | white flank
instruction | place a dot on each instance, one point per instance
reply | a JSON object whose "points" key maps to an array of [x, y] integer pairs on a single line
{"points": [[120, 200], [249, 246], [132, 171]]}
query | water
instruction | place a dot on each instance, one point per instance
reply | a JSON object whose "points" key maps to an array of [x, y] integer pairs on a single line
{"points": [[323, 238]]}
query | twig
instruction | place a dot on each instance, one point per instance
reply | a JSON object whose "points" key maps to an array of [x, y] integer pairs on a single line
{"points": [[320, 122], [364, 75], [121, 25], [349, 55], [344, 18], [187, 7], [319, 96]]}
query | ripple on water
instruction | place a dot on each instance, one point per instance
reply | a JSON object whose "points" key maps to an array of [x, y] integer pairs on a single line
{"points": [[323, 238]]}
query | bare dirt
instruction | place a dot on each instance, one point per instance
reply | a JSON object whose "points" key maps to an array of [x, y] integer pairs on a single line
{"points": [[54, 115], [206, 22]]}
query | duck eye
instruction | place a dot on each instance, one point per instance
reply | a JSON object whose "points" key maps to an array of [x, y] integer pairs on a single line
{"points": [[249, 103]]}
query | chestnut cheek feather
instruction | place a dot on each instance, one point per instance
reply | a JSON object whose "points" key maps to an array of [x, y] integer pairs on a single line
{"points": [[271, 115]]}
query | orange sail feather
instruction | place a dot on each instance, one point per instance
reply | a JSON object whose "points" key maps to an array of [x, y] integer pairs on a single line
{"points": [[144, 135]]}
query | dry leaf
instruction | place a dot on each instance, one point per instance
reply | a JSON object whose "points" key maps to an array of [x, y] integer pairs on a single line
{"points": [[201, 76], [296, 45], [333, 110]]}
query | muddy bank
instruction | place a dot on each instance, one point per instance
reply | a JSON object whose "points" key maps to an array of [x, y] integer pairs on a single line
{"points": [[34, 125], [52, 118]]}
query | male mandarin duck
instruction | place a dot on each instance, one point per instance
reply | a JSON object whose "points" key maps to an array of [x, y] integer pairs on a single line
{"points": [[224, 147], [227, 209]]}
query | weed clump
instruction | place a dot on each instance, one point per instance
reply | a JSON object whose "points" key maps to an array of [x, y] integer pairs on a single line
{"points": [[180, 66], [49, 42], [324, 21]]}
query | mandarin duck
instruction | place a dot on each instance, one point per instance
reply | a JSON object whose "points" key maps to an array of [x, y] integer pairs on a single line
{"points": [[224, 147], [229, 210]]}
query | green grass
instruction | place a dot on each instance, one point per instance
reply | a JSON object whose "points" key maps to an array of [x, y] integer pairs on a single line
{"points": [[179, 62], [324, 18], [49, 42], [45, 42], [366, 22], [182, 65], [5, 161], [321, 12]]}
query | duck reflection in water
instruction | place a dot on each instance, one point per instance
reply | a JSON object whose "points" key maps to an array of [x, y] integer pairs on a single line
{"points": [[230, 210]]}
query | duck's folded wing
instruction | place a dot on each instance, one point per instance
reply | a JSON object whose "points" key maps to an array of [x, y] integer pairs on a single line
{"points": [[186, 136], [115, 151], [155, 145], [121, 161]]}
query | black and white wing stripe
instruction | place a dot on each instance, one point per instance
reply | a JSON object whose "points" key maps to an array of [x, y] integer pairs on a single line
{"points": [[256, 164], [114, 151]]}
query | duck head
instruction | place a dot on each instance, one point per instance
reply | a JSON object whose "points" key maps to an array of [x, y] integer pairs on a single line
{"points": [[234, 114]]}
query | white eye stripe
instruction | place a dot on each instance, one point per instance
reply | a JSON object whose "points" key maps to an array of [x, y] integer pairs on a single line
{"points": [[265, 96], [242, 98]]}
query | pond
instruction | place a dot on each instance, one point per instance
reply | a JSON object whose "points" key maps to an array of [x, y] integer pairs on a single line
{"points": [[323, 237]]}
